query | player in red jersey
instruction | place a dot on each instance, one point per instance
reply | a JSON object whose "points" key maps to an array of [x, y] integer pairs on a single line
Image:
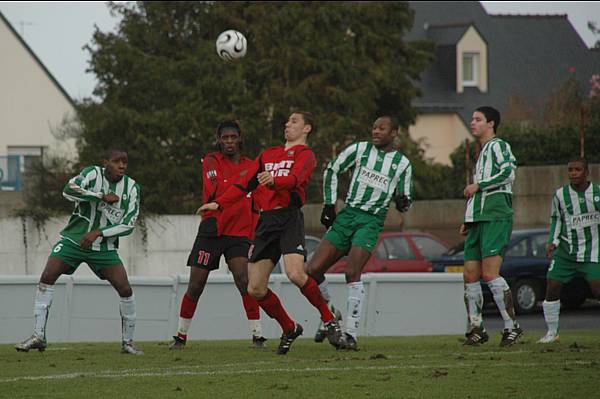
{"points": [[278, 179], [225, 233]]}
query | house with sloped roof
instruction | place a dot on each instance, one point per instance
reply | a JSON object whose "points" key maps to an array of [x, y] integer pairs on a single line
{"points": [[483, 59], [33, 108]]}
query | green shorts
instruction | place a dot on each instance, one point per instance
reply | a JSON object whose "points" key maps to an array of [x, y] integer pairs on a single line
{"points": [[73, 255], [485, 239], [354, 228], [563, 268]]}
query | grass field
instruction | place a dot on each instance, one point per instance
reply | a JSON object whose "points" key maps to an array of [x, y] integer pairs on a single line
{"points": [[385, 367]]}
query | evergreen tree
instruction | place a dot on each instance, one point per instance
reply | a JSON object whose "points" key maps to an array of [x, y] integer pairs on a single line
{"points": [[162, 88]]}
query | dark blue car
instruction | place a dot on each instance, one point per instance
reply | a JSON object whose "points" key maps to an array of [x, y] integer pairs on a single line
{"points": [[524, 268]]}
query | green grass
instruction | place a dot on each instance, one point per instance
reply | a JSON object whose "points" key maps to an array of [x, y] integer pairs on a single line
{"points": [[385, 367]]}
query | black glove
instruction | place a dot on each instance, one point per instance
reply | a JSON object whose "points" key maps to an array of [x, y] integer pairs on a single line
{"points": [[328, 216], [402, 203]]}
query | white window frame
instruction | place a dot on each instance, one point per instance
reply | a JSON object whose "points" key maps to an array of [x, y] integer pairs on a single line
{"points": [[474, 56]]}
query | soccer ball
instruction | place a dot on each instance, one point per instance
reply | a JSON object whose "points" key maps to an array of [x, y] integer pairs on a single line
{"points": [[231, 45]]}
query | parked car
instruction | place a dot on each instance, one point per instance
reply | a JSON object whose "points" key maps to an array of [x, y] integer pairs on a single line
{"points": [[524, 268], [400, 252], [311, 245]]}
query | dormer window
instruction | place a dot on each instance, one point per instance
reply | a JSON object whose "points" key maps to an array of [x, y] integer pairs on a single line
{"points": [[471, 61], [470, 69]]}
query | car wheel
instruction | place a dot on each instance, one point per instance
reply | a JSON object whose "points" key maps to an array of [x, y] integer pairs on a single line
{"points": [[526, 295]]}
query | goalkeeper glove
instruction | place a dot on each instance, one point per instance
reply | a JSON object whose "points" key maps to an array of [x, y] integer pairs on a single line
{"points": [[402, 203], [328, 215]]}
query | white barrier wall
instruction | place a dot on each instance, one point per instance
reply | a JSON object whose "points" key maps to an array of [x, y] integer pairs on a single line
{"points": [[87, 309], [160, 248]]}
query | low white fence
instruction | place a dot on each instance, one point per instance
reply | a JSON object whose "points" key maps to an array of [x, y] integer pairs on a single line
{"points": [[87, 309]]}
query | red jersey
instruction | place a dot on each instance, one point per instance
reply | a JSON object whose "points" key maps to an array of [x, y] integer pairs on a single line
{"points": [[218, 174], [291, 170]]}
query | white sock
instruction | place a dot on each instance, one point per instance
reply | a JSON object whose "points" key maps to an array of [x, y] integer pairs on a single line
{"points": [[43, 300], [127, 309], [474, 302], [183, 326], [255, 328], [501, 292], [551, 315], [324, 288], [356, 294]]}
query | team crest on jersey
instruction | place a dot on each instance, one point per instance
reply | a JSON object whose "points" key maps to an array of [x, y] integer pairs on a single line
{"points": [[290, 153], [596, 199], [124, 197], [581, 200], [211, 174], [394, 166]]}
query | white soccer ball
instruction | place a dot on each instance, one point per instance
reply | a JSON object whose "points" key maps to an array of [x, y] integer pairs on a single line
{"points": [[231, 45]]}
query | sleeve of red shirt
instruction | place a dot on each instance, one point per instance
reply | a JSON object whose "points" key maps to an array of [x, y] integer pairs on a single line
{"points": [[304, 164], [211, 174], [241, 187]]}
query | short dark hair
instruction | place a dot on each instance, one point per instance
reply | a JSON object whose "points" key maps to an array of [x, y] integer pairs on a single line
{"points": [[579, 159], [111, 151], [491, 115], [309, 119], [228, 125], [393, 120]]}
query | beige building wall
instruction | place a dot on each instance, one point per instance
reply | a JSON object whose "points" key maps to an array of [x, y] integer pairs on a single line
{"points": [[32, 105], [472, 42], [440, 135]]}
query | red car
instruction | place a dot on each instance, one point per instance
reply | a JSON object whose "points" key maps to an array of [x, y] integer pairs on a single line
{"points": [[400, 252]]}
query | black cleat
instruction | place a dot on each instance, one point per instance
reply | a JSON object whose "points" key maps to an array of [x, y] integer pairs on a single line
{"points": [[177, 344], [510, 337], [334, 333], [258, 342], [348, 343], [321, 333], [476, 336], [287, 339]]}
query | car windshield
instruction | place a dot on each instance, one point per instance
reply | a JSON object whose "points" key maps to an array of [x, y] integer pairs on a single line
{"points": [[429, 247], [456, 250]]}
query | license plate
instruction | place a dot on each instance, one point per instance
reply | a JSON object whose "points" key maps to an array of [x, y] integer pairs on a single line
{"points": [[454, 269]]}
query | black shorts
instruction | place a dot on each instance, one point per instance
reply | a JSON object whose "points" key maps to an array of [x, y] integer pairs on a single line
{"points": [[278, 232], [207, 251]]}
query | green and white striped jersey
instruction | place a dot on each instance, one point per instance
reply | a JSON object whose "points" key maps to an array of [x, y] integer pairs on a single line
{"points": [[377, 176], [91, 213], [495, 173], [575, 222]]}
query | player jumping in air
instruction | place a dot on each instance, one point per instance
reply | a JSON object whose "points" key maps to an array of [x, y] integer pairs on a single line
{"points": [[278, 181]]}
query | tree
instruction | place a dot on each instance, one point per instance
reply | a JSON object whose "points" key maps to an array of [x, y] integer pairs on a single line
{"points": [[163, 89]]}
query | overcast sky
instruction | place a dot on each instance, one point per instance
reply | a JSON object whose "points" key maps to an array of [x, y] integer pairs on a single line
{"points": [[57, 31]]}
